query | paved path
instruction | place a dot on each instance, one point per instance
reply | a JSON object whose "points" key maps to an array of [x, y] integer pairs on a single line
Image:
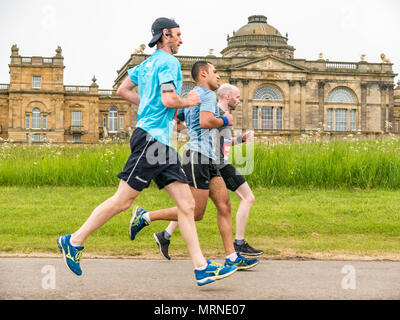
{"points": [[48, 278]]}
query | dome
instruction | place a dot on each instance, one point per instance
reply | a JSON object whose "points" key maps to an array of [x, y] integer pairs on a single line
{"points": [[257, 38], [257, 25]]}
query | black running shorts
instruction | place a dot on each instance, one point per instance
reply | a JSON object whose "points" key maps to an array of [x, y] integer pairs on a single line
{"points": [[151, 160], [232, 177], [199, 169]]}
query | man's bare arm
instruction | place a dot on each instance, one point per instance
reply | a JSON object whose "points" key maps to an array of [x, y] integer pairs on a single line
{"points": [[209, 121], [170, 99], [125, 91], [180, 126]]}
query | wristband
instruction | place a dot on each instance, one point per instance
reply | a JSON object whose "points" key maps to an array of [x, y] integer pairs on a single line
{"points": [[226, 121]]}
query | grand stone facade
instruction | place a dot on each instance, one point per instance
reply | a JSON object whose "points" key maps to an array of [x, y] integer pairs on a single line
{"points": [[284, 95], [36, 106], [281, 94]]}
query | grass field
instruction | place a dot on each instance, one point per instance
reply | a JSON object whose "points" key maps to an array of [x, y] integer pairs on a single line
{"points": [[327, 165], [312, 198], [284, 222]]}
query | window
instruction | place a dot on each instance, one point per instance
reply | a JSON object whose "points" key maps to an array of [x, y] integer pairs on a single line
{"points": [[255, 117], [76, 118], [267, 118], [113, 120], [329, 119], [44, 122], [104, 121], [76, 138], [36, 123], [353, 121], [27, 137], [279, 118], [186, 87], [27, 121], [36, 82], [121, 122], [397, 125], [341, 120], [44, 136], [268, 93], [36, 137], [341, 95]]}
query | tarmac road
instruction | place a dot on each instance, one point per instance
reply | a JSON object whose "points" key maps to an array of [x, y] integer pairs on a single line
{"points": [[128, 279]]}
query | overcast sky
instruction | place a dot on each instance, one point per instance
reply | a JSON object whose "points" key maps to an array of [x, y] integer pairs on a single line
{"points": [[98, 36]]}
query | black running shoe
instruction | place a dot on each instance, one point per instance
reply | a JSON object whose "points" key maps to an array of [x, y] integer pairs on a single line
{"points": [[162, 243], [245, 249]]}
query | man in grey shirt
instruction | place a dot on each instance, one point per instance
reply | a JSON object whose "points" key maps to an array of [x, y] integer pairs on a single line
{"points": [[228, 100]]}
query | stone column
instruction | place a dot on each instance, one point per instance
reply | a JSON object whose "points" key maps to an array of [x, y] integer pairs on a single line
{"points": [[383, 89], [391, 106], [12, 106], [291, 112], [321, 102], [22, 117], [303, 84], [246, 114], [363, 124]]}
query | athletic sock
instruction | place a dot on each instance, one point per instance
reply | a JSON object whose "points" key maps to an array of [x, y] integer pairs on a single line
{"points": [[239, 242], [166, 235], [72, 243], [202, 268], [232, 257], [146, 216]]}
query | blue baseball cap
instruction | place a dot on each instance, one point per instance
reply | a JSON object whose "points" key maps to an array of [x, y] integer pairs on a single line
{"points": [[157, 28]]}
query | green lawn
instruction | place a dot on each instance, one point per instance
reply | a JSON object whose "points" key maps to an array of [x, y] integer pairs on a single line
{"points": [[283, 222]]}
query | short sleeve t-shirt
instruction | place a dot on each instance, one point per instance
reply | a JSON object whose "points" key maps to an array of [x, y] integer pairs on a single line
{"points": [[201, 140], [224, 142], [153, 117]]}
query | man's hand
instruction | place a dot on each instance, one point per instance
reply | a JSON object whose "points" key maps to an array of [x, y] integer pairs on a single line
{"points": [[193, 98], [230, 118], [248, 136]]}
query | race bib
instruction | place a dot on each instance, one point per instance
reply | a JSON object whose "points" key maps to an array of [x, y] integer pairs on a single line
{"points": [[226, 147]]}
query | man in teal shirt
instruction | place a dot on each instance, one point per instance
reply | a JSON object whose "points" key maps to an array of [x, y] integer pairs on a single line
{"points": [[159, 80]]}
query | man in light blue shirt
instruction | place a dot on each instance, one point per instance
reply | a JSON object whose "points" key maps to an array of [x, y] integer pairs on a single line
{"points": [[153, 117], [201, 140]]}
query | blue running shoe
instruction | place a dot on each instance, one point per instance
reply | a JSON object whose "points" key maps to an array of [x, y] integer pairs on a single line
{"points": [[72, 255], [214, 271], [137, 222], [242, 263]]}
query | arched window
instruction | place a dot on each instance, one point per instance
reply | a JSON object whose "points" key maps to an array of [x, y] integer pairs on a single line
{"points": [[341, 95], [268, 93], [113, 120], [36, 123], [186, 87]]}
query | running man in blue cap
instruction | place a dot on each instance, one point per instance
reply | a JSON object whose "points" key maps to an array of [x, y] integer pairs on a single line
{"points": [[159, 79]]}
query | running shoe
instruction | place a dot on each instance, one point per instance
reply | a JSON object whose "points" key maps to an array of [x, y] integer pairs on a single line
{"points": [[247, 250], [242, 263], [162, 243], [214, 271], [72, 255], [137, 222]]}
